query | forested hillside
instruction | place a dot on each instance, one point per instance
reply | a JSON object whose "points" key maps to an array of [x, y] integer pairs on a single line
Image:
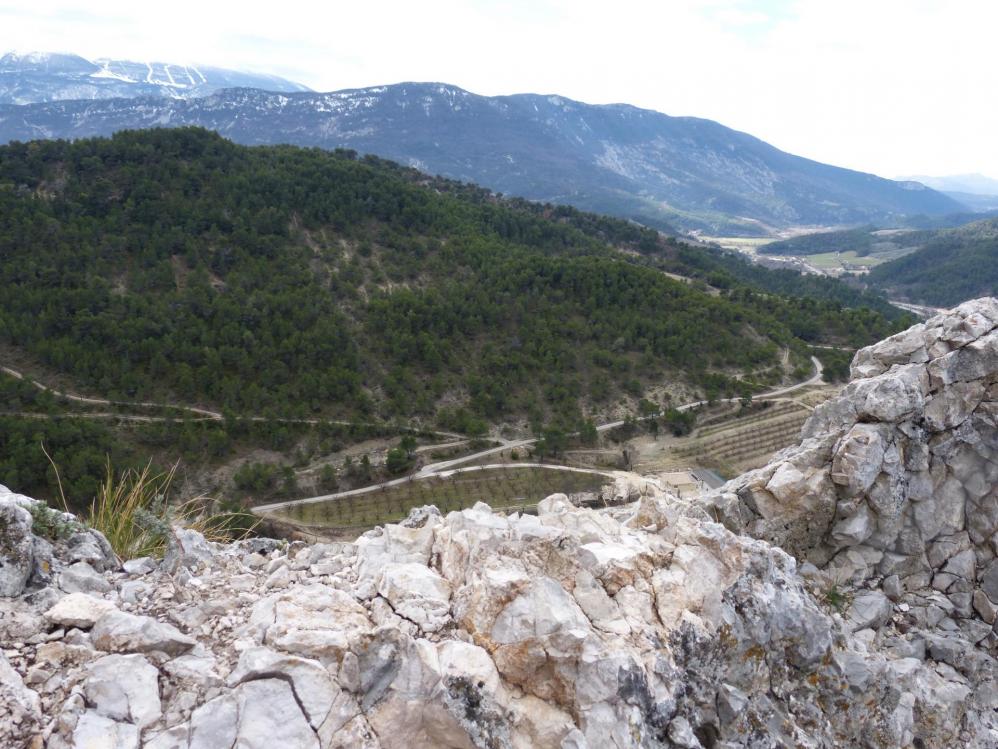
{"points": [[174, 265], [178, 263], [859, 240], [953, 265]]}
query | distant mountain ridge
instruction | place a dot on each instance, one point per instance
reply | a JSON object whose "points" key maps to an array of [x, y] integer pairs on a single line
{"points": [[974, 184], [660, 170], [976, 191], [38, 77]]}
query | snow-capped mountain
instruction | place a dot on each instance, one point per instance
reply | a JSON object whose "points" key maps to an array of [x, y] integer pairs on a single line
{"points": [[616, 159], [37, 77]]}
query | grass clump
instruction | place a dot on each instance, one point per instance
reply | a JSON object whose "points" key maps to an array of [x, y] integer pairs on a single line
{"points": [[837, 599], [133, 512]]}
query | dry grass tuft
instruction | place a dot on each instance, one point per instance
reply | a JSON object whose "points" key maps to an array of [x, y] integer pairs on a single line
{"points": [[132, 511]]}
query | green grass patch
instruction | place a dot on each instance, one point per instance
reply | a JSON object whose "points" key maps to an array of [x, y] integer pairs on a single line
{"points": [[827, 260]]}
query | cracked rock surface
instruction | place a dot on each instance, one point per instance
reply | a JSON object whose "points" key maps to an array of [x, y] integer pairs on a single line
{"points": [[644, 625]]}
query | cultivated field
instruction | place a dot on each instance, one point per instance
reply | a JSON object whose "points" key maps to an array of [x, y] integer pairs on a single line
{"points": [[745, 442], [509, 489]]}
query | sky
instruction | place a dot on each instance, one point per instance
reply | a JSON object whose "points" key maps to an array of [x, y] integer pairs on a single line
{"points": [[894, 87]]}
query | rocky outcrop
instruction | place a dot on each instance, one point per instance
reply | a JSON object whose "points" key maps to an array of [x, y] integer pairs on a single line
{"points": [[648, 624], [638, 626], [894, 488]]}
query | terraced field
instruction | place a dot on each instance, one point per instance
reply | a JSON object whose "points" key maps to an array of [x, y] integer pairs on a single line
{"points": [[775, 411], [509, 489], [746, 442]]}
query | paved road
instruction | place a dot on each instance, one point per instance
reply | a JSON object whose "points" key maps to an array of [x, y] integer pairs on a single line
{"points": [[98, 415], [439, 468], [832, 348], [923, 311]]}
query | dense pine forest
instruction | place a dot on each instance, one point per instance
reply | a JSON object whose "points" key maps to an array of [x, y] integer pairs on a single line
{"points": [[175, 265]]}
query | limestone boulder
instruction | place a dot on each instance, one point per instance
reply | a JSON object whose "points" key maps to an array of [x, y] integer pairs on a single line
{"points": [[79, 610], [859, 458], [259, 714], [124, 688], [313, 687], [95, 731], [120, 632], [16, 547], [314, 621], [186, 548], [416, 593]]}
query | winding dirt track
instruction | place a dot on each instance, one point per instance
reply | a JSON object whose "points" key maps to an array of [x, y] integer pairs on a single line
{"points": [[440, 469], [200, 414], [443, 468]]}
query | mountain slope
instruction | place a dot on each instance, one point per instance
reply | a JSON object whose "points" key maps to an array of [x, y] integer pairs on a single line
{"points": [[952, 266], [173, 263], [44, 77], [616, 159]]}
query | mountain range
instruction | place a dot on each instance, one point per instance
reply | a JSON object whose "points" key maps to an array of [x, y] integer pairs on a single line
{"points": [[660, 170], [976, 191], [37, 77], [974, 184]]}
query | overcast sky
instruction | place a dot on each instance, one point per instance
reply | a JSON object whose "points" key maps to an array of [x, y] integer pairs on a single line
{"points": [[894, 87]]}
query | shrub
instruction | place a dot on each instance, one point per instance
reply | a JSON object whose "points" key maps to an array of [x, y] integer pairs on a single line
{"points": [[50, 523], [257, 477], [396, 461]]}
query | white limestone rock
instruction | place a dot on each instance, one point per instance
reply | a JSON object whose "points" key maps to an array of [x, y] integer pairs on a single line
{"points": [[416, 593], [186, 548], [788, 484], [120, 632], [869, 610], [139, 566], [312, 685], [124, 688], [315, 621], [16, 547], [859, 458], [78, 610], [95, 731], [81, 577], [22, 716], [260, 714]]}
